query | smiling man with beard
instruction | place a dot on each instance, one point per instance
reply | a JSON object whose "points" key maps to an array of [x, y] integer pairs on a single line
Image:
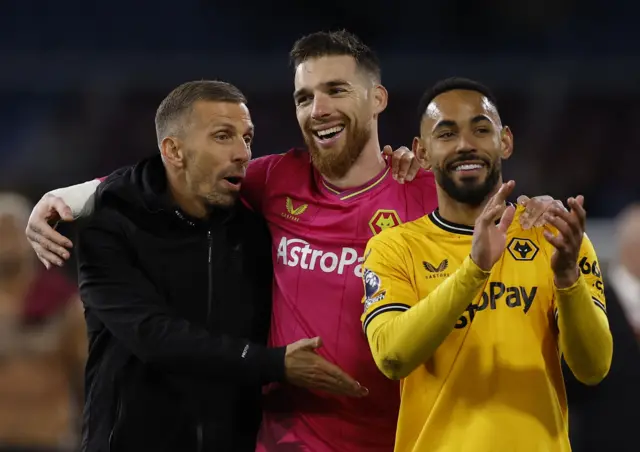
{"points": [[473, 315]]}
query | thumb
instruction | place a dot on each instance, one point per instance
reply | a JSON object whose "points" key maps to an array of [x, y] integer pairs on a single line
{"points": [[387, 150], [65, 213], [507, 219], [523, 200], [315, 343], [62, 209]]}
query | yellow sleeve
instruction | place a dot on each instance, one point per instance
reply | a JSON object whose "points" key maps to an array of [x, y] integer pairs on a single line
{"points": [[585, 338], [404, 331]]}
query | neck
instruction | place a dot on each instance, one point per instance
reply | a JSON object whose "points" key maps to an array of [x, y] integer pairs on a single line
{"points": [[458, 212], [184, 198], [366, 167]]}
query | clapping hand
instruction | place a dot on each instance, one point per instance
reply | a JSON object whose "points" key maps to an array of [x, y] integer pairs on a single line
{"points": [[570, 226], [489, 239]]}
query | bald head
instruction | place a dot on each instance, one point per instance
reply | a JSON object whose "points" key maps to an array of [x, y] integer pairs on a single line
{"points": [[628, 238]]}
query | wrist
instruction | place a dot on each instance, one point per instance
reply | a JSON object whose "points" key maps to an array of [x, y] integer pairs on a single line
{"points": [[566, 279], [478, 264]]}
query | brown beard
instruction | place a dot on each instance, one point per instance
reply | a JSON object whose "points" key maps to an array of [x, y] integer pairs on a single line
{"points": [[335, 164]]}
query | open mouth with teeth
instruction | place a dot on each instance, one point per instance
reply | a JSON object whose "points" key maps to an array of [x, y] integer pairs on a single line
{"points": [[328, 134], [463, 167]]}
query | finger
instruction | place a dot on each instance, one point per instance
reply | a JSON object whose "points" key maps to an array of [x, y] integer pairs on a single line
{"points": [[38, 230], [309, 344], [522, 200], [565, 239], [48, 245], [46, 263], [414, 167], [569, 218], [542, 220], [61, 208], [335, 389], [342, 380], [396, 160], [534, 210], [404, 164], [505, 191], [496, 204], [577, 207], [489, 217], [561, 225], [47, 257], [387, 151], [555, 240], [506, 219], [316, 342]]}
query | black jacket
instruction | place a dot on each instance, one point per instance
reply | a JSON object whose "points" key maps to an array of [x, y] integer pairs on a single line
{"points": [[177, 312], [602, 417]]}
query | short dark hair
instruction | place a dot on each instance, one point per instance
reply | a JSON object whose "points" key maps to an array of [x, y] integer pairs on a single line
{"points": [[452, 84], [336, 43], [181, 100]]}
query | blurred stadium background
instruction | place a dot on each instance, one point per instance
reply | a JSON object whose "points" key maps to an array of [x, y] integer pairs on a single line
{"points": [[80, 82]]}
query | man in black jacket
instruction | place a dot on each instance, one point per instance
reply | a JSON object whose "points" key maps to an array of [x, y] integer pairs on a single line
{"points": [[176, 277]]}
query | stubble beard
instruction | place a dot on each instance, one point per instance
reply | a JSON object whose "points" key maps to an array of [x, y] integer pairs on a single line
{"points": [[336, 163], [470, 193]]}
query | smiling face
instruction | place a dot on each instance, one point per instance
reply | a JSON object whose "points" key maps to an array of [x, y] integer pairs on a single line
{"points": [[463, 141], [336, 104]]}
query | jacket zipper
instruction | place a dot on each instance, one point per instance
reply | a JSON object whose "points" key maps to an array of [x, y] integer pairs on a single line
{"points": [[199, 430], [210, 278], [199, 433], [115, 423]]}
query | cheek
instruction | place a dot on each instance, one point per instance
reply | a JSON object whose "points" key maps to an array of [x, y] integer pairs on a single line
{"points": [[439, 152], [302, 116], [202, 167]]}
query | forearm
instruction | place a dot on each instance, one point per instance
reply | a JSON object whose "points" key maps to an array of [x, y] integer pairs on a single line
{"points": [[585, 338], [80, 197], [179, 346], [402, 342], [198, 352]]}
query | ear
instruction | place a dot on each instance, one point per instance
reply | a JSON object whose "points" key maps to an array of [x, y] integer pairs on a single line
{"points": [[380, 99], [420, 151], [172, 153], [506, 139]]}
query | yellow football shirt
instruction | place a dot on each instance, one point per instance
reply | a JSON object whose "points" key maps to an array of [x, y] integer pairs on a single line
{"points": [[495, 383]]}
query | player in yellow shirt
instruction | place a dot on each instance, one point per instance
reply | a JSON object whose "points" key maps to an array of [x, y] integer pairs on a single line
{"points": [[473, 315]]}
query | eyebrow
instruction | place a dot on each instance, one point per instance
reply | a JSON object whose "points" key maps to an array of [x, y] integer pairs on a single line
{"points": [[329, 84], [228, 125], [449, 123]]}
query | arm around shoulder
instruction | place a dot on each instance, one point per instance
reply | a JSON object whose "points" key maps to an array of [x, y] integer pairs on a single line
{"points": [[79, 197], [119, 295]]}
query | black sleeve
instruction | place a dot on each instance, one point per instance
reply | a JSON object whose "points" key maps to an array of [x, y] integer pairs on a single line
{"points": [[127, 303]]}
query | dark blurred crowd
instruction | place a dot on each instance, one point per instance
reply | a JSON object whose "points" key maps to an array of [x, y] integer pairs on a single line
{"points": [[586, 143]]}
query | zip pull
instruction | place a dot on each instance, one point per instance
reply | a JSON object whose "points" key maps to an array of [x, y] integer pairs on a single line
{"points": [[209, 240]]}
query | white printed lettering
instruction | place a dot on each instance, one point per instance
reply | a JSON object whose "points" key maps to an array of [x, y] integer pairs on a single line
{"points": [[298, 253]]}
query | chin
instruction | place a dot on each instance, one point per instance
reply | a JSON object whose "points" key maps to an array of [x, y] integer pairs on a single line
{"points": [[223, 201]]}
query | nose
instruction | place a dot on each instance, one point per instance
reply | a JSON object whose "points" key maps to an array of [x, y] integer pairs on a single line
{"points": [[241, 152], [464, 144], [321, 107]]}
